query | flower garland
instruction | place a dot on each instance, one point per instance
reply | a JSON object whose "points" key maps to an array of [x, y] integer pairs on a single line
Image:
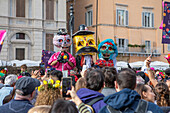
{"points": [[49, 84]]}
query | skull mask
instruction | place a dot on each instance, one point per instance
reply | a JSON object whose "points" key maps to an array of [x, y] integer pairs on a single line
{"points": [[62, 41]]}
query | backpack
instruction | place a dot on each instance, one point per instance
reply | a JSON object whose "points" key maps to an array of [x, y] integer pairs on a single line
{"points": [[89, 104], [141, 108]]}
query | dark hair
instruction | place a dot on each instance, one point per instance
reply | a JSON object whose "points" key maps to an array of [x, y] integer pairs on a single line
{"points": [[63, 106], [162, 94], [95, 80], [140, 88], [57, 73], [24, 66], [109, 76], [126, 79]]}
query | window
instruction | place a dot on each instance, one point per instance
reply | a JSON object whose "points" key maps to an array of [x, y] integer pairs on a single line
{"points": [[20, 36], [20, 53], [148, 46], [122, 44], [122, 17], [89, 18], [147, 19], [20, 8], [50, 9], [49, 42]]}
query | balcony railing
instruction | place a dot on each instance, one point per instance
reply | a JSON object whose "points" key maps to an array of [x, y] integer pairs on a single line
{"points": [[139, 50]]}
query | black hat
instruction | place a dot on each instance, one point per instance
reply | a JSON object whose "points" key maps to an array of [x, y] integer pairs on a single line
{"points": [[27, 85], [167, 71]]}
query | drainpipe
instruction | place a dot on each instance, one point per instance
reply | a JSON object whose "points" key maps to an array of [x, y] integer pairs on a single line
{"points": [[96, 23]]}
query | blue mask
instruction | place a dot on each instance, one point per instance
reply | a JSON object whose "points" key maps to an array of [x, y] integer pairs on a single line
{"points": [[106, 51]]}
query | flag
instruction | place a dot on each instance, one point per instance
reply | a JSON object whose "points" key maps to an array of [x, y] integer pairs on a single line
{"points": [[166, 23], [45, 57], [2, 36]]}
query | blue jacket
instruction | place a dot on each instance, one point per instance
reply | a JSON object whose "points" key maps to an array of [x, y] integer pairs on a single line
{"points": [[127, 98], [16, 106], [86, 95]]}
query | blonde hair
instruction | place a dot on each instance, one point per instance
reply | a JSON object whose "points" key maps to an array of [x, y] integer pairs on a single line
{"points": [[40, 109], [162, 94], [81, 83], [47, 96]]}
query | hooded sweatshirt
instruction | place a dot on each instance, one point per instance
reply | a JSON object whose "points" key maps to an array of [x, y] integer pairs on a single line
{"points": [[86, 95], [127, 98], [16, 106]]}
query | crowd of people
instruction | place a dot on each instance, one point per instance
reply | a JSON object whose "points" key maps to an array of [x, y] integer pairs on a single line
{"points": [[94, 90]]}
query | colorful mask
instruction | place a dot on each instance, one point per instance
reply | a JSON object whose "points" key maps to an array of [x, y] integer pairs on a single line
{"points": [[84, 43], [107, 49], [168, 58], [62, 41]]}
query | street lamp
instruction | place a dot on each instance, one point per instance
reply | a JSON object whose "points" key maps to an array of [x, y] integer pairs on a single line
{"points": [[71, 23]]}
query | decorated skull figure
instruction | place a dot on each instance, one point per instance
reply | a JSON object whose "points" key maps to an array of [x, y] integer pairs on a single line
{"points": [[107, 54], [62, 40]]}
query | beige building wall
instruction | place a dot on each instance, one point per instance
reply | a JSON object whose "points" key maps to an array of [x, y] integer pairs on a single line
{"points": [[134, 32]]}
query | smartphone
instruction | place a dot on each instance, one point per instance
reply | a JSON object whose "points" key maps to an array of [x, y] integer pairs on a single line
{"points": [[66, 85]]}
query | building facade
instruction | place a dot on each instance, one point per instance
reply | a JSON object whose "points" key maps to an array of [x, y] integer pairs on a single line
{"points": [[132, 24], [30, 25]]}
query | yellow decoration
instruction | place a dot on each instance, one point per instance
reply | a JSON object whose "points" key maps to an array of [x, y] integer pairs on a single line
{"points": [[57, 81], [82, 41], [164, 25], [164, 14], [39, 88], [44, 82], [51, 81], [65, 57], [57, 85]]}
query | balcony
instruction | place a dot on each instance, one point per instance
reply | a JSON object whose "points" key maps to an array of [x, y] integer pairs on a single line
{"points": [[139, 51]]}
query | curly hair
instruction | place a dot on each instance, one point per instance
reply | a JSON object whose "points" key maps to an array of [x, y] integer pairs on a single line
{"points": [[47, 96], [162, 94]]}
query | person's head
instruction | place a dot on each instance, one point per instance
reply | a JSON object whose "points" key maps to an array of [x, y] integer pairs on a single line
{"points": [[162, 94], [23, 68], [95, 80], [11, 80], [81, 83], [125, 79], [146, 92], [7, 98], [109, 76], [63, 106], [25, 88], [47, 96], [2, 80], [40, 109], [56, 75]]}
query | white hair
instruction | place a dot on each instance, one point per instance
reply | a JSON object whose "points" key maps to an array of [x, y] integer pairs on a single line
{"points": [[10, 79]]}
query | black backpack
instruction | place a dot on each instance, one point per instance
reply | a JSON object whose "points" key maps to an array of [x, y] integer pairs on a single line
{"points": [[141, 108], [89, 104]]}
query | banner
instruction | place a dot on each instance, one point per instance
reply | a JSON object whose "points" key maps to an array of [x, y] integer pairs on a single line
{"points": [[2, 37], [166, 23], [45, 57]]}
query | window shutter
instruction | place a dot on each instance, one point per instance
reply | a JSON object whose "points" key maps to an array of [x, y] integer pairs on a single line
{"points": [[152, 19], [143, 19], [91, 17], [51, 10], [86, 18], [126, 44], [117, 17], [22, 8], [117, 41], [168, 47], [47, 10], [127, 18]]}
